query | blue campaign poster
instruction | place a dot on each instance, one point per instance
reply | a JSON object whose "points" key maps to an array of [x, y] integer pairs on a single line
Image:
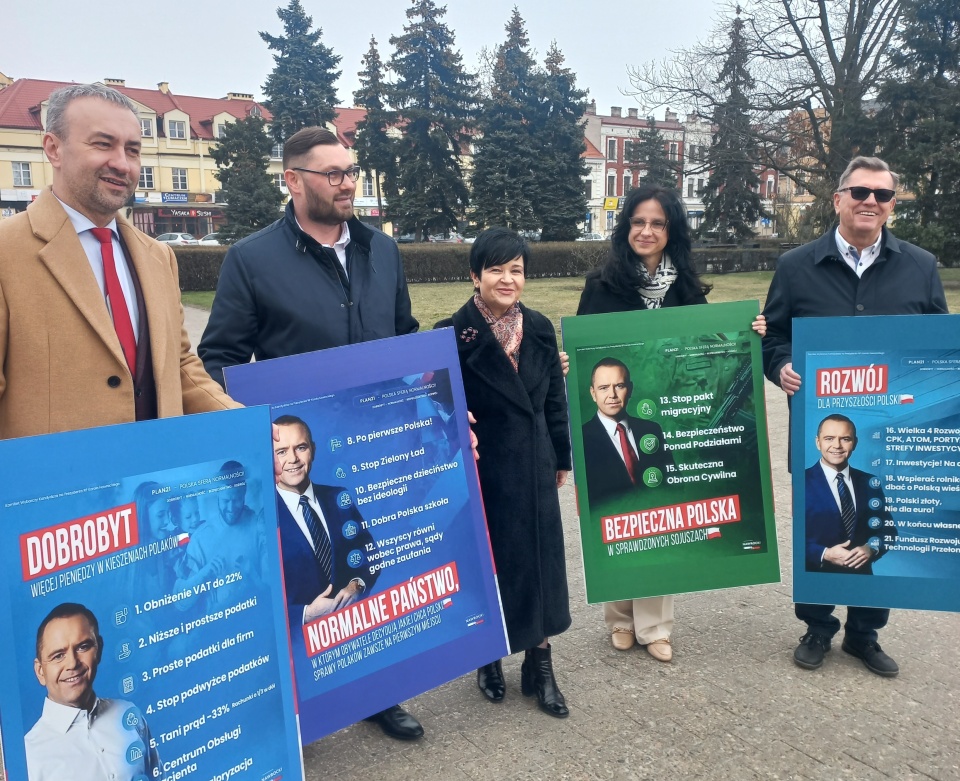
{"points": [[143, 612], [879, 404], [396, 593]]}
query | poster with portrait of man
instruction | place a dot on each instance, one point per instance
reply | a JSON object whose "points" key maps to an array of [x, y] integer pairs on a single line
{"points": [[390, 583], [876, 461], [670, 451], [142, 609]]}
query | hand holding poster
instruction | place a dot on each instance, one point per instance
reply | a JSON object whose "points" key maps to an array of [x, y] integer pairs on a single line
{"points": [[881, 409], [670, 455], [143, 610], [389, 578]]}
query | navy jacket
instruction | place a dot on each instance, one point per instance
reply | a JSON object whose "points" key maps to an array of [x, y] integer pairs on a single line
{"points": [[824, 524], [281, 293], [814, 281]]}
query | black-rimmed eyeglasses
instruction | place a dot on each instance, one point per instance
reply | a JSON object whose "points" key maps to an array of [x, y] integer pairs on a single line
{"points": [[862, 193], [334, 177]]}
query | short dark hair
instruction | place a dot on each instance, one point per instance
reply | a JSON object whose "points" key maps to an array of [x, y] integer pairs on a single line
{"points": [[837, 417], [496, 246], [621, 269], [293, 420], [305, 139], [610, 362], [68, 610]]}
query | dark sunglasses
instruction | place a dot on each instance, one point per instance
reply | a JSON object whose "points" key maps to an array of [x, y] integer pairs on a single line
{"points": [[862, 193]]}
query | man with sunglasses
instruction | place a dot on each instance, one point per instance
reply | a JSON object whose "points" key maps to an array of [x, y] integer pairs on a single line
{"points": [[858, 268], [316, 278]]}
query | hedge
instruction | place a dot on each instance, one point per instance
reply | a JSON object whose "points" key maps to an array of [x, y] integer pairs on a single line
{"points": [[200, 266]]}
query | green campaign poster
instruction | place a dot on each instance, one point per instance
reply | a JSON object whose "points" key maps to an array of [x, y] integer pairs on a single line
{"points": [[670, 452]]}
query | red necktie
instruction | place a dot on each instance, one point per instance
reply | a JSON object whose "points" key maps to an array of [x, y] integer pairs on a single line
{"points": [[629, 457], [118, 304]]}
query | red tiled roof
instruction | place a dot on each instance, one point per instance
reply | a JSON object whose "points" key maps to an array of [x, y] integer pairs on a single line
{"points": [[346, 123], [20, 105], [591, 150]]}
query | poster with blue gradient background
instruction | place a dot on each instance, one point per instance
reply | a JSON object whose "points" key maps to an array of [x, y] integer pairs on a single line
{"points": [[392, 457], [165, 531], [898, 380]]}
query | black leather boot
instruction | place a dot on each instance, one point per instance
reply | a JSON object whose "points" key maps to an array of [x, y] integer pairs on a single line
{"points": [[490, 681], [536, 677]]}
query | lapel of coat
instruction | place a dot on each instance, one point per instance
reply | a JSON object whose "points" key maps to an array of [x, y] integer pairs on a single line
{"points": [[66, 261], [535, 354], [482, 354], [151, 266]]}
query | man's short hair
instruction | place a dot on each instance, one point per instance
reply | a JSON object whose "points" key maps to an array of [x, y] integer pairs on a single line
{"points": [[612, 362], [838, 418], [61, 98], [68, 610], [305, 139], [870, 164], [293, 420]]}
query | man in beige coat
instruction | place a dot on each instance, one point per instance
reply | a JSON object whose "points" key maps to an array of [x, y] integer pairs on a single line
{"points": [[62, 366]]}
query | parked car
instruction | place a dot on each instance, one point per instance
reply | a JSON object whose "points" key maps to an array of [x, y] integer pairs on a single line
{"points": [[177, 239], [590, 237], [406, 238], [531, 235], [211, 240], [453, 238]]}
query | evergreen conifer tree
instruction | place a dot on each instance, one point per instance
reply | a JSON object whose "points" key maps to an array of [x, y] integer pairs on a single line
{"points": [[375, 150], [300, 90], [253, 200], [649, 153], [436, 100], [731, 197]]}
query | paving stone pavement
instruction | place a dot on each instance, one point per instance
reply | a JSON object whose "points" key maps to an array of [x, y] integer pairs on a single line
{"points": [[732, 705]]}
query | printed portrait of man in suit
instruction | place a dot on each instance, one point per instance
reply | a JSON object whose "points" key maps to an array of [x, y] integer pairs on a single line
{"points": [[322, 536], [622, 454], [846, 517]]}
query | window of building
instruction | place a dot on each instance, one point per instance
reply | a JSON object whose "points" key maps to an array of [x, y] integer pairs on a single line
{"points": [[673, 150], [279, 182], [588, 189], [699, 185], [627, 182], [368, 186], [276, 153], [22, 176], [146, 178], [692, 152], [690, 187], [178, 129], [179, 178], [611, 149], [771, 187], [611, 185], [146, 127], [221, 129]]}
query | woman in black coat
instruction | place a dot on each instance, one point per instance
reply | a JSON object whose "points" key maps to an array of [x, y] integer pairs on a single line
{"points": [[514, 387], [650, 266]]}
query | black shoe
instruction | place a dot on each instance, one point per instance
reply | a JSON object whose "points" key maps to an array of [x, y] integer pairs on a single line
{"points": [[491, 683], [874, 659], [809, 654], [536, 677], [397, 723]]}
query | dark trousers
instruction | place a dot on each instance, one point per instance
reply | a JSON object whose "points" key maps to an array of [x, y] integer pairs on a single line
{"points": [[860, 629]]}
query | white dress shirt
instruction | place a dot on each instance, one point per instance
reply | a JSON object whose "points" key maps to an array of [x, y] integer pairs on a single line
{"points": [[91, 246], [610, 426], [831, 474], [70, 743], [858, 261], [339, 246], [292, 500]]}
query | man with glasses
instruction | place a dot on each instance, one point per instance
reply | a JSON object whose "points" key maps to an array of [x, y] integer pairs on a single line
{"points": [[316, 278], [858, 268]]}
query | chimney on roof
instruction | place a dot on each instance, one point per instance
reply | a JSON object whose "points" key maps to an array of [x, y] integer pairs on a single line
{"points": [[669, 116], [164, 87], [239, 96], [632, 113], [616, 111], [115, 82], [592, 108]]}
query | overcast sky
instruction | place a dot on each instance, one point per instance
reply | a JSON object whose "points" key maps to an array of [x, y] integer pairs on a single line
{"points": [[210, 48]]}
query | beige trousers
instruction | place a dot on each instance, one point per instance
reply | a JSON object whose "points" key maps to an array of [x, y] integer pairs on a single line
{"points": [[650, 618]]}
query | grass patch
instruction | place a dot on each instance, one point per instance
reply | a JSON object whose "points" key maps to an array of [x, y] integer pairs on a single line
{"points": [[558, 298]]}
